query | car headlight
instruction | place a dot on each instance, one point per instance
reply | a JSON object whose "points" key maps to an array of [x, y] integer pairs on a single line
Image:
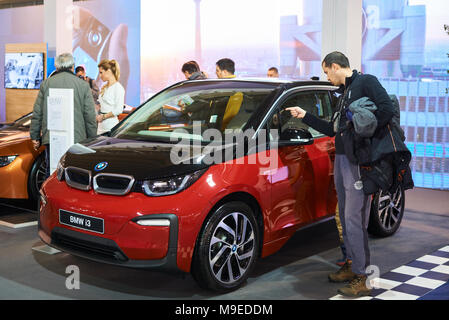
{"points": [[170, 186], [6, 160]]}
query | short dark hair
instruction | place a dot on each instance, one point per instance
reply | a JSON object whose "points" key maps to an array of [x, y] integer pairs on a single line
{"points": [[190, 67], [79, 68], [274, 69], [226, 64], [337, 58]]}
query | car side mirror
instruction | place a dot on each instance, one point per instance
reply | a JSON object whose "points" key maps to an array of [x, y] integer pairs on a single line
{"points": [[294, 137]]}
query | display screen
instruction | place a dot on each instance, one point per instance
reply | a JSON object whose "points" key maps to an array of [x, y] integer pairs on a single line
{"points": [[24, 70], [413, 65]]}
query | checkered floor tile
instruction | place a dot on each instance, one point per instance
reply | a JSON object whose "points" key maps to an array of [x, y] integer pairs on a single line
{"points": [[412, 281]]}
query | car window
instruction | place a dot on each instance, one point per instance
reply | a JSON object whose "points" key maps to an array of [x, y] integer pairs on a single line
{"points": [[186, 112], [317, 103]]}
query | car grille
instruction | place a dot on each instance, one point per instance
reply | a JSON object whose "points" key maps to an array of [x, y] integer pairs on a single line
{"points": [[78, 178], [101, 248], [113, 184], [103, 183]]}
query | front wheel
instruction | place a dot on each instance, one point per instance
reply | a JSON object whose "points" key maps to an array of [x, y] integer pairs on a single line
{"points": [[387, 211], [37, 177], [227, 248]]}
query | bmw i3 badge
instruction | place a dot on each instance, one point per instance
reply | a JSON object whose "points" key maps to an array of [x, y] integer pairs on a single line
{"points": [[101, 166]]}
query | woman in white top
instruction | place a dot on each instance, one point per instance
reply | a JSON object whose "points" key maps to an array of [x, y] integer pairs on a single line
{"points": [[112, 96]]}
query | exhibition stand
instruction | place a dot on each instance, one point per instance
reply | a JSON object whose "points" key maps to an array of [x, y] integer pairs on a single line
{"points": [[409, 266]]}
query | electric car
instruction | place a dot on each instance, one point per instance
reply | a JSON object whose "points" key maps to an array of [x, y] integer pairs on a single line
{"points": [[205, 177], [22, 169]]}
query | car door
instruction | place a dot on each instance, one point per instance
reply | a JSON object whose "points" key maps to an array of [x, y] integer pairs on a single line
{"points": [[302, 186]]}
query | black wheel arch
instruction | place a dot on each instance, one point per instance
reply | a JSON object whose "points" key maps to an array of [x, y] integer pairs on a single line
{"points": [[34, 194]]}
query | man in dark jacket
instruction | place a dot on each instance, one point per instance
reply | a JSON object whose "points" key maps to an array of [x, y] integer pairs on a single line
{"points": [[85, 125], [354, 205], [191, 71]]}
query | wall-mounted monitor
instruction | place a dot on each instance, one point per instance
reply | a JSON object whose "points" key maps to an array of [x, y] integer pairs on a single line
{"points": [[24, 70]]}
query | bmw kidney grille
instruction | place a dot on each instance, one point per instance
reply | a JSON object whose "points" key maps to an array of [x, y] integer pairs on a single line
{"points": [[103, 183], [113, 184]]}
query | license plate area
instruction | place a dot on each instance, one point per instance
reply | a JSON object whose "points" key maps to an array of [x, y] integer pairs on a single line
{"points": [[80, 221]]}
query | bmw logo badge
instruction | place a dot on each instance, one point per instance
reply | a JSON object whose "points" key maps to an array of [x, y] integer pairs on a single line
{"points": [[101, 166]]}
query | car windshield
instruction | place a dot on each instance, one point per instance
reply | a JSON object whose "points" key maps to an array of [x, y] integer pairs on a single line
{"points": [[23, 122], [186, 110]]}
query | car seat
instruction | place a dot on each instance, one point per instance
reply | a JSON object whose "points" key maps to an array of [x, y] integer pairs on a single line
{"points": [[247, 109], [232, 109]]}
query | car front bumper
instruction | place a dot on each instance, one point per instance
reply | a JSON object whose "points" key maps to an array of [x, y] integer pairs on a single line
{"points": [[124, 242], [106, 250]]}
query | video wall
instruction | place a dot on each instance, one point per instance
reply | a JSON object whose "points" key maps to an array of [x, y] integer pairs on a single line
{"points": [[105, 29], [250, 32], [406, 46]]}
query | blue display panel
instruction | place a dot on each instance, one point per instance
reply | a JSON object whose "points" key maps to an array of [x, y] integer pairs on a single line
{"points": [[406, 46]]}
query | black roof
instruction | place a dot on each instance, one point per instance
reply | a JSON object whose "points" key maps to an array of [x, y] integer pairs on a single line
{"points": [[275, 82]]}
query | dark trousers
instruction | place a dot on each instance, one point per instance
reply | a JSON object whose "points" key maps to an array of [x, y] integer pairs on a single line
{"points": [[354, 210]]}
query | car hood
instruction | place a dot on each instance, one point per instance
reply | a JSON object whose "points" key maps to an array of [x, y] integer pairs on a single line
{"points": [[140, 159], [9, 135]]}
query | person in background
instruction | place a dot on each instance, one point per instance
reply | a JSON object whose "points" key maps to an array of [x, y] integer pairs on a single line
{"points": [[206, 76], [192, 71], [84, 108], [273, 72], [225, 69], [81, 73], [112, 96]]}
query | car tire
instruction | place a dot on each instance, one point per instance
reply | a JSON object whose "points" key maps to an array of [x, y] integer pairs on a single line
{"points": [[386, 214], [227, 248], [36, 177]]}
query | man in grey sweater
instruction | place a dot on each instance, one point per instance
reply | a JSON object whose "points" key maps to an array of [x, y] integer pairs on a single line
{"points": [[84, 108]]}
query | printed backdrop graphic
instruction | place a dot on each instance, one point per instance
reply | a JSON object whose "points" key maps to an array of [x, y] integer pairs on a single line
{"points": [[105, 29], [176, 31]]}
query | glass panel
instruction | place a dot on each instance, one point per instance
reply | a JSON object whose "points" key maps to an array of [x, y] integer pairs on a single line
{"points": [[186, 111]]}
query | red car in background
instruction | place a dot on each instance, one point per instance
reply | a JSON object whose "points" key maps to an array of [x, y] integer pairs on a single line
{"points": [[166, 188]]}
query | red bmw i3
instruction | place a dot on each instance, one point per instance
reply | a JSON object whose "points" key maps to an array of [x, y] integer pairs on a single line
{"points": [[205, 177]]}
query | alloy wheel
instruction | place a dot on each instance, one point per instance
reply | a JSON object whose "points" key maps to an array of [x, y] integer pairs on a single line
{"points": [[390, 207], [231, 248]]}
